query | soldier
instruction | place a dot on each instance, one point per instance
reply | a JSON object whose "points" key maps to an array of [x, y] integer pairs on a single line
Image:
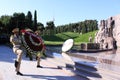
{"points": [[42, 51], [15, 39]]}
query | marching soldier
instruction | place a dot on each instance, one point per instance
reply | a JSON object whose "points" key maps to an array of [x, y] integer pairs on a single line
{"points": [[15, 39], [37, 32], [39, 53]]}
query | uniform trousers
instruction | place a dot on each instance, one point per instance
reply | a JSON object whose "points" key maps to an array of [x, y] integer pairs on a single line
{"points": [[19, 53]]}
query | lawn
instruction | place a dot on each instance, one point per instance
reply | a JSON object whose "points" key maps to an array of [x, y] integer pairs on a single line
{"points": [[59, 39]]}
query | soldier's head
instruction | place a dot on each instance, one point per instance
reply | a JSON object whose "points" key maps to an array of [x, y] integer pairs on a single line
{"points": [[15, 30], [37, 32]]}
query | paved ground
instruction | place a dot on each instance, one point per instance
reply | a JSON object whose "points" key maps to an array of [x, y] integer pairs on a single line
{"points": [[28, 68]]}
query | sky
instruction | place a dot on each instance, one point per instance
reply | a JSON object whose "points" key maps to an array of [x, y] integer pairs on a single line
{"points": [[62, 11]]}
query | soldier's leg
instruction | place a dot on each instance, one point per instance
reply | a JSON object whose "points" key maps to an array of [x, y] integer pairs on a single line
{"points": [[38, 62], [19, 57], [19, 53]]}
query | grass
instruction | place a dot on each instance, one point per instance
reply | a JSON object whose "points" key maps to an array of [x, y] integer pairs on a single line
{"points": [[53, 43], [61, 36], [59, 39], [85, 37]]}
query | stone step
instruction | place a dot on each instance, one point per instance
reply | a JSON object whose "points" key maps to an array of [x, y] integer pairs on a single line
{"points": [[62, 63], [99, 74], [92, 77], [107, 62], [104, 73], [108, 57], [86, 75], [88, 65], [87, 70]]}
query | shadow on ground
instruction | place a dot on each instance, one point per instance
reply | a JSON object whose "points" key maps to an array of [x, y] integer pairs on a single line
{"points": [[52, 77]]}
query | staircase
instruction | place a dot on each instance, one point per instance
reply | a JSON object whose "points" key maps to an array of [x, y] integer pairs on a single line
{"points": [[92, 72], [87, 70], [91, 69], [93, 66]]}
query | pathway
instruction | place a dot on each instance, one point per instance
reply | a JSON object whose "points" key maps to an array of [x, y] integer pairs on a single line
{"points": [[28, 68]]}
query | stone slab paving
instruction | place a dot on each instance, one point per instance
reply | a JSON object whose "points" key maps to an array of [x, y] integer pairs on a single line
{"points": [[28, 68]]}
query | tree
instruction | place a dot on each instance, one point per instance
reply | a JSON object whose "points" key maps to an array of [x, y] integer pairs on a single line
{"points": [[50, 27], [1, 27], [83, 27], [18, 20], [35, 21], [40, 26], [28, 20], [4, 22], [95, 26], [79, 28]]}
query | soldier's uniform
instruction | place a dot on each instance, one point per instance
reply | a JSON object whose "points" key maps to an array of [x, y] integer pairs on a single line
{"points": [[16, 41]]}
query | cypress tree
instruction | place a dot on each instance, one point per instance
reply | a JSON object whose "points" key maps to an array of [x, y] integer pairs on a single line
{"points": [[35, 20], [29, 20]]}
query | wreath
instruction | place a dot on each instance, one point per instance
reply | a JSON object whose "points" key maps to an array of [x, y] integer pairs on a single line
{"points": [[32, 42]]}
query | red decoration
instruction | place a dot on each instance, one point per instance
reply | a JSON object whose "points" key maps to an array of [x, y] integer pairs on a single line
{"points": [[32, 42]]}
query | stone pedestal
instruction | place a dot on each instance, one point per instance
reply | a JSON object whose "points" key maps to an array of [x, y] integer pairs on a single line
{"points": [[90, 46]]}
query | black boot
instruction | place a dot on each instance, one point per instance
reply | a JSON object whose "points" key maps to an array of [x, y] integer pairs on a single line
{"points": [[38, 66], [16, 63], [19, 73]]}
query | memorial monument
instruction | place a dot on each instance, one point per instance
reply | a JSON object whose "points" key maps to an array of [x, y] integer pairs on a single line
{"points": [[109, 33]]}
